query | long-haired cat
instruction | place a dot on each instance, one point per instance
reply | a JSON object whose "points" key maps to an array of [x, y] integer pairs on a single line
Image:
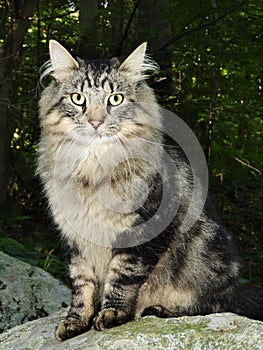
{"points": [[102, 162]]}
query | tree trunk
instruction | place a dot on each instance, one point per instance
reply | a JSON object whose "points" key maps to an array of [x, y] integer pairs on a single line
{"points": [[118, 28], [87, 44], [154, 27], [215, 89], [10, 52]]}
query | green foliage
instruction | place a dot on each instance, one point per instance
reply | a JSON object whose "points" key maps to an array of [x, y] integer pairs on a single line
{"points": [[34, 254], [36, 246]]}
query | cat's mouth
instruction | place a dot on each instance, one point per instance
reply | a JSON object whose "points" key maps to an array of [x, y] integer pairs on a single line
{"points": [[105, 131], [99, 136], [104, 134]]}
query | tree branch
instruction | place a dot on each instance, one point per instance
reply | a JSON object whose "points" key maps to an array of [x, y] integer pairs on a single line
{"points": [[246, 164], [184, 31], [125, 34]]}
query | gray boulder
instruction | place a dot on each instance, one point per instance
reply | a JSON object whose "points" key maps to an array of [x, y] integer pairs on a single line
{"points": [[216, 331], [27, 293]]}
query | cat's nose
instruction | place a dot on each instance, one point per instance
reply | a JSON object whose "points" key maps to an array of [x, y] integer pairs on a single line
{"points": [[96, 123]]}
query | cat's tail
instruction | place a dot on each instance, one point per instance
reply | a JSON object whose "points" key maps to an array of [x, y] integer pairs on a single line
{"points": [[248, 301]]}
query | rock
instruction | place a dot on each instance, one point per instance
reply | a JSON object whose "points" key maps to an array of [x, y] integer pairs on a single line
{"points": [[27, 293], [216, 331]]}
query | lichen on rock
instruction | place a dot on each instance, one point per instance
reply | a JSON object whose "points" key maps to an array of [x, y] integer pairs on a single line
{"points": [[216, 331], [27, 293]]}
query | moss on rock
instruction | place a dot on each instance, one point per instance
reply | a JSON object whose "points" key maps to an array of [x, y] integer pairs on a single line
{"points": [[216, 331]]}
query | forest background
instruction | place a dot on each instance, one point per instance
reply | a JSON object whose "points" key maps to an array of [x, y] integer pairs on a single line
{"points": [[210, 55]]}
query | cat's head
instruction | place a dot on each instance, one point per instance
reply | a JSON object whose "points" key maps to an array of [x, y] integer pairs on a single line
{"points": [[101, 100]]}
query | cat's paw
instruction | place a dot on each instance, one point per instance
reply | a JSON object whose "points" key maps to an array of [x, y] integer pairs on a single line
{"points": [[108, 318], [70, 327], [158, 311]]}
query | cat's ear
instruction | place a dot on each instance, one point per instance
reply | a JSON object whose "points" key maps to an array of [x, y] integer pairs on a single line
{"points": [[61, 59], [137, 63]]}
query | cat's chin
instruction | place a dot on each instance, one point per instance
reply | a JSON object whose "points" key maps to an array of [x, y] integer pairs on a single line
{"points": [[95, 139], [101, 140]]}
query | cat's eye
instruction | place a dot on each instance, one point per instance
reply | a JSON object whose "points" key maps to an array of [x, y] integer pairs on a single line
{"points": [[78, 99], [115, 99]]}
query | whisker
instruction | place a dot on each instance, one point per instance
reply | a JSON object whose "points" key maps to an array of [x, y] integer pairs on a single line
{"points": [[125, 144], [67, 145], [133, 146], [139, 152], [122, 150], [126, 129]]}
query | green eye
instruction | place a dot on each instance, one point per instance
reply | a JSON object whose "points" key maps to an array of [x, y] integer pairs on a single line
{"points": [[115, 99], [78, 99]]}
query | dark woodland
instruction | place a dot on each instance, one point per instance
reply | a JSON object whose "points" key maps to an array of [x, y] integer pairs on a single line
{"points": [[210, 57]]}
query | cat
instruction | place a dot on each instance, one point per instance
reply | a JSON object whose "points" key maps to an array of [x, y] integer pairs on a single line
{"points": [[102, 163]]}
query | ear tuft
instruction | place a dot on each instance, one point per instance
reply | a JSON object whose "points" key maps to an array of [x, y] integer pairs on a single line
{"points": [[61, 59], [138, 63]]}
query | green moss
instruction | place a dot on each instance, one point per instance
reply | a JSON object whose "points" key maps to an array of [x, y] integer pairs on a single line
{"points": [[217, 332], [182, 333]]}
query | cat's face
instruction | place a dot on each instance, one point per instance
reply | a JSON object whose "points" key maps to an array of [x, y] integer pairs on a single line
{"points": [[98, 102]]}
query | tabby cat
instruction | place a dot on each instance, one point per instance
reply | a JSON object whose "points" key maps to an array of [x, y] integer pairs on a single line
{"points": [[102, 162]]}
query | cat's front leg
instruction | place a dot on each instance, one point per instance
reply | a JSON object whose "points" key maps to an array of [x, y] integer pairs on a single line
{"points": [[81, 313], [127, 273]]}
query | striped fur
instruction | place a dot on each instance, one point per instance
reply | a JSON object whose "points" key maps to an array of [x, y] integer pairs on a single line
{"points": [[170, 274]]}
